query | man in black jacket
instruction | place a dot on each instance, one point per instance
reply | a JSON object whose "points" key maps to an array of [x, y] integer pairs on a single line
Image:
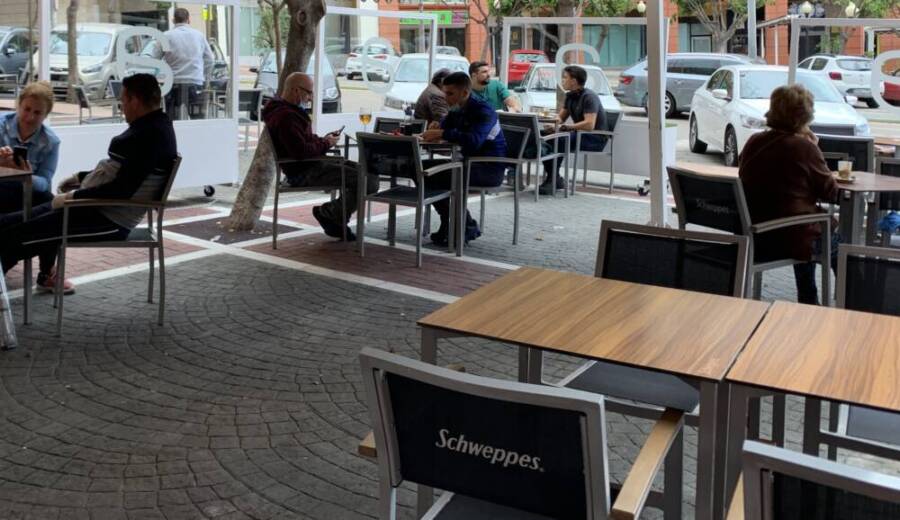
{"points": [[140, 160]]}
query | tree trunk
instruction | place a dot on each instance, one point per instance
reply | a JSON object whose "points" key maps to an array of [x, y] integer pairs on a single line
{"points": [[276, 32], [71, 42], [305, 18]]}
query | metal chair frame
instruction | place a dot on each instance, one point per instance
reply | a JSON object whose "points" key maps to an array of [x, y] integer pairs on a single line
{"points": [[532, 123], [250, 101], [153, 241]]}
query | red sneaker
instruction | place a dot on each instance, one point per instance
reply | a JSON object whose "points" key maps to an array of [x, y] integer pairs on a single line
{"points": [[47, 283]]}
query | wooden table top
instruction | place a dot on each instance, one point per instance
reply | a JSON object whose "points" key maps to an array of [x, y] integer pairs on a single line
{"points": [[886, 141], [12, 174], [867, 181], [834, 354], [717, 170], [691, 334]]}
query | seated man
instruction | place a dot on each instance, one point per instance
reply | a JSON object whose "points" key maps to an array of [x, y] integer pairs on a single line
{"points": [[476, 128], [290, 127], [139, 160], [432, 105], [584, 107], [492, 90]]}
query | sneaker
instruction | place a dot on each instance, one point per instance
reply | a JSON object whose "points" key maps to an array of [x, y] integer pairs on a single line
{"points": [[47, 283], [329, 226], [547, 189], [440, 238]]}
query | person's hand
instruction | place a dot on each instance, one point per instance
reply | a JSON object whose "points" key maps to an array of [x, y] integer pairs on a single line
{"points": [[332, 139], [6, 152], [434, 125], [59, 200], [69, 184], [433, 134], [564, 128]]}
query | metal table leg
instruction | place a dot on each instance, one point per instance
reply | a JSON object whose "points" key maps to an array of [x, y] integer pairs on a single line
{"points": [[26, 290], [709, 504]]}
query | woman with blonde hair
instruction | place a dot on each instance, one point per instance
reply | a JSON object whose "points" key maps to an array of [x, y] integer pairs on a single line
{"points": [[784, 174], [26, 128]]}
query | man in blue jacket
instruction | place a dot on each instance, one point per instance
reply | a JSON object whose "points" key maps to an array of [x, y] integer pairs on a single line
{"points": [[472, 124]]}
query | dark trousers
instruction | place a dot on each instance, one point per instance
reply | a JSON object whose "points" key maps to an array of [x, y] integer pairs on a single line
{"points": [[11, 212], [327, 173], [488, 175], [42, 234], [188, 96], [589, 143], [805, 274]]}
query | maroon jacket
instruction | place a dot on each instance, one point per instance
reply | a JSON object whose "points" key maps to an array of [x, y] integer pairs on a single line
{"points": [[784, 175], [291, 130]]}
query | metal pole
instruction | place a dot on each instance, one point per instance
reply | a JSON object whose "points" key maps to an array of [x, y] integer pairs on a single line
{"points": [[794, 49], [751, 28], [504, 54], [656, 79], [44, 46]]}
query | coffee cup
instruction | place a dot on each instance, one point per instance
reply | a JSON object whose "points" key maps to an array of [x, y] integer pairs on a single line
{"points": [[844, 168]]}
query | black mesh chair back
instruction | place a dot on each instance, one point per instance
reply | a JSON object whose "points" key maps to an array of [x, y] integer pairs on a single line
{"points": [[860, 150], [713, 202], [389, 124], [678, 259], [81, 95], [115, 88], [249, 101], [389, 155], [502, 442], [611, 119], [889, 200], [798, 498], [527, 122], [516, 140], [869, 279]]}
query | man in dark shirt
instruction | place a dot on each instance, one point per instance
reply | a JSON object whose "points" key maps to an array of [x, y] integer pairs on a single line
{"points": [[290, 127], [584, 107], [473, 124], [140, 160]]}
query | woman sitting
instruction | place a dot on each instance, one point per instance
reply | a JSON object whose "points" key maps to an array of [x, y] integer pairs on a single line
{"points": [[784, 174]]}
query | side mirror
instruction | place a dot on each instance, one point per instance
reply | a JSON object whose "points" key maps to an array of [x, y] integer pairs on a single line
{"points": [[10, 50], [851, 100], [721, 93], [254, 70], [519, 89]]}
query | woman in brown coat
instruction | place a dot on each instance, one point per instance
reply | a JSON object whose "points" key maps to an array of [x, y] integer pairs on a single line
{"points": [[784, 174]]}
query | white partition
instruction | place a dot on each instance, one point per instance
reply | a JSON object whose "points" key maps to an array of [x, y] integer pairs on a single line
{"points": [[631, 135]]}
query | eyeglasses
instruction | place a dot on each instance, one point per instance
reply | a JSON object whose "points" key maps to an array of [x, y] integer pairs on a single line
{"points": [[304, 89]]}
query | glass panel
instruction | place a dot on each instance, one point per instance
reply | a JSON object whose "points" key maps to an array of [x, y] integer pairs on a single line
{"points": [[19, 35], [855, 64]]}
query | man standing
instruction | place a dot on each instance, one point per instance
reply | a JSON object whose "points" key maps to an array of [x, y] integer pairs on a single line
{"points": [[191, 60], [432, 105], [139, 162], [476, 128], [290, 127], [491, 90]]}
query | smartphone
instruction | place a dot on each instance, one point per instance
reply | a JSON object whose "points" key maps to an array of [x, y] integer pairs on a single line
{"points": [[339, 131], [20, 155]]}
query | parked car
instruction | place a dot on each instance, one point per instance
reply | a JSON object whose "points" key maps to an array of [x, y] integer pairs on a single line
{"points": [[732, 106], [685, 73], [14, 45], [267, 81], [539, 88], [851, 75], [520, 61], [449, 51], [892, 90], [95, 45], [376, 51], [411, 77]]}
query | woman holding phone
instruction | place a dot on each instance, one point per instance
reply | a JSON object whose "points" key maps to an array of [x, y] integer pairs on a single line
{"points": [[23, 132]]}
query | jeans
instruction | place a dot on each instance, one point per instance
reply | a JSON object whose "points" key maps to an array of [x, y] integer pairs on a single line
{"points": [[188, 96], [11, 197], [480, 175], [589, 143], [328, 172], [805, 273]]}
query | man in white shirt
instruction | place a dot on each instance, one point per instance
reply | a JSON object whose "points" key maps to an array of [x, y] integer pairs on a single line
{"points": [[191, 61]]}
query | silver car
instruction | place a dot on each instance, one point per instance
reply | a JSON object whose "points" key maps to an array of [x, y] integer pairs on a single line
{"points": [[685, 73]]}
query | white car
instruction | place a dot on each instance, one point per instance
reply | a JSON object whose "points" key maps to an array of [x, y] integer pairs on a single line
{"points": [[377, 51], [850, 74], [411, 77], [538, 89], [731, 107]]}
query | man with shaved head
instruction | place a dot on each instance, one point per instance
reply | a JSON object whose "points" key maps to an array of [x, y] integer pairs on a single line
{"points": [[288, 122]]}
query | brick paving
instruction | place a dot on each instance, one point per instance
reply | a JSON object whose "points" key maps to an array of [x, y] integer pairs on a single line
{"points": [[247, 403]]}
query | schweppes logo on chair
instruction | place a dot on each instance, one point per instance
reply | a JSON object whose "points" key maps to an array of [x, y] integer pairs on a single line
{"points": [[492, 454]]}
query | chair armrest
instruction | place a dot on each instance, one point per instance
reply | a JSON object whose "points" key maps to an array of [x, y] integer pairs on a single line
{"points": [[597, 132], [495, 160], [324, 158], [367, 446], [442, 167], [736, 511], [553, 137], [83, 203], [639, 481], [797, 220]]}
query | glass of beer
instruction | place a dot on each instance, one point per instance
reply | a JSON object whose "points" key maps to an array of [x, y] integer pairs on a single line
{"points": [[365, 116]]}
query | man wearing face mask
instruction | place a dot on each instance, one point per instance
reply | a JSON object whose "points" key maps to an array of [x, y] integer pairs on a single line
{"points": [[288, 122]]}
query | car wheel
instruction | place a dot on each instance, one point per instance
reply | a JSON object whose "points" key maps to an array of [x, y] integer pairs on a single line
{"points": [[871, 103], [731, 151], [697, 146], [670, 106]]}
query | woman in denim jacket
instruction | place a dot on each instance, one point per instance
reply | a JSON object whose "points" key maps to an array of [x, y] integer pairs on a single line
{"points": [[25, 127]]}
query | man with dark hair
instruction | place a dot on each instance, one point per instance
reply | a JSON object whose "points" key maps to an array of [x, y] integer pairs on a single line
{"points": [[476, 129], [138, 165], [491, 90], [191, 60], [432, 105], [584, 107]]}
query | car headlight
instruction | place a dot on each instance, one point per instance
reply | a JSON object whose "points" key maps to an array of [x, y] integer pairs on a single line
{"points": [[862, 129], [331, 93], [391, 102], [92, 68], [752, 122]]}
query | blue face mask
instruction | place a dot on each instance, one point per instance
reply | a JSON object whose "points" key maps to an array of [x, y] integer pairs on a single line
{"points": [[305, 105]]}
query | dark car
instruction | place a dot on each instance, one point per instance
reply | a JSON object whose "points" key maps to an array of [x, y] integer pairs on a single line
{"points": [[267, 81], [13, 49]]}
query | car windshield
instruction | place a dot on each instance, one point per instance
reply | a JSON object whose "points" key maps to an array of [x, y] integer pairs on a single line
{"points": [[759, 84], [270, 67], [373, 49], [529, 58], [86, 43], [545, 81], [416, 70], [860, 65]]}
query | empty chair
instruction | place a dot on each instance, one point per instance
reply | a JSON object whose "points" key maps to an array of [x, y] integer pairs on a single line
{"points": [[389, 124], [868, 279], [607, 151], [250, 101], [398, 157], [553, 147], [140, 237], [505, 450], [782, 484], [859, 149], [516, 140]]}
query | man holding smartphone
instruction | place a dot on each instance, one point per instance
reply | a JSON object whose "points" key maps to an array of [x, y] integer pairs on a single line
{"points": [[290, 127]]}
